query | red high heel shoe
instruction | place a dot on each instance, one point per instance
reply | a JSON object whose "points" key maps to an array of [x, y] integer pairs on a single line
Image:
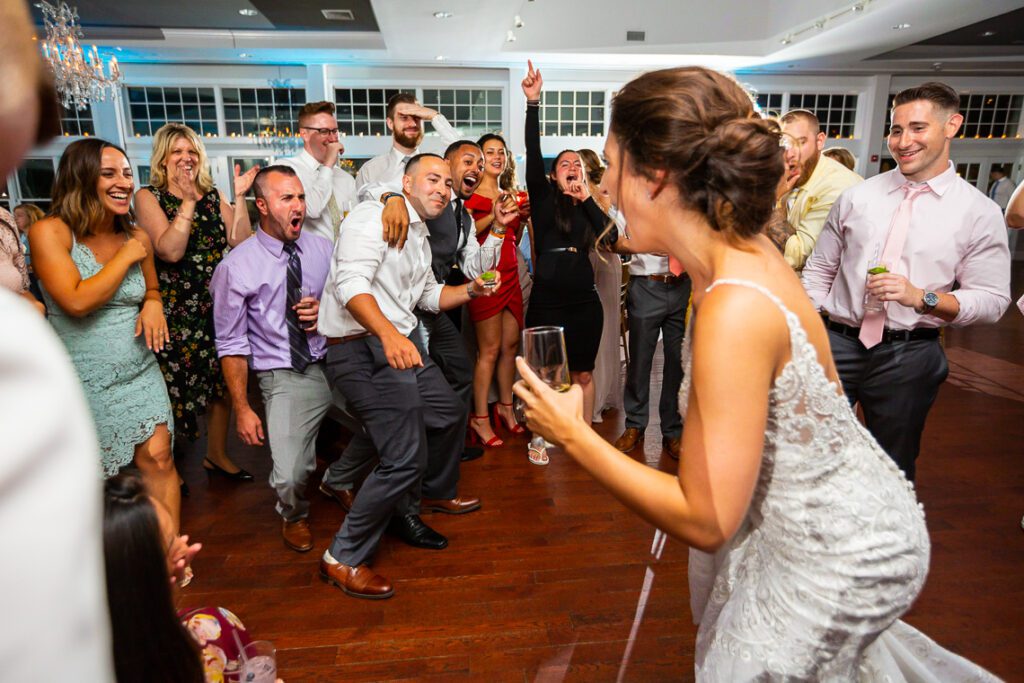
{"points": [[515, 427], [475, 437]]}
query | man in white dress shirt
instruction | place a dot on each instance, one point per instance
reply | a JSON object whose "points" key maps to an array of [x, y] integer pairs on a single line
{"points": [[1000, 191], [949, 264], [415, 419], [330, 190], [405, 117]]}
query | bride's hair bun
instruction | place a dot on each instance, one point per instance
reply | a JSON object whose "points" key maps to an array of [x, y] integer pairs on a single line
{"points": [[700, 127]]}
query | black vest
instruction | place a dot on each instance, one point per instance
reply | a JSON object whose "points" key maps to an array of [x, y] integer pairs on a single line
{"points": [[445, 240]]}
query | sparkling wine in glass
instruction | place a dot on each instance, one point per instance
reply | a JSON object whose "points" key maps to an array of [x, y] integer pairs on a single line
{"points": [[488, 265], [544, 352]]}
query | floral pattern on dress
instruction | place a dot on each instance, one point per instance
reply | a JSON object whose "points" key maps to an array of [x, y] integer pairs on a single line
{"points": [[220, 634], [189, 362]]}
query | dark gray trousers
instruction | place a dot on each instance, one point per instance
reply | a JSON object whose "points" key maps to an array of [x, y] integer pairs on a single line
{"points": [[896, 384], [417, 425], [655, 307]]}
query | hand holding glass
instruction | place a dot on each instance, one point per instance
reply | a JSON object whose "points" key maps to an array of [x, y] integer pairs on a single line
{"points": [[488, 264], [872, 304], [544, 352]]}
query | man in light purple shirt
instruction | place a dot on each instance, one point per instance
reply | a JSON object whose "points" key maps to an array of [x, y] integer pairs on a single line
{"points": [[265, 304], [954, 268]]}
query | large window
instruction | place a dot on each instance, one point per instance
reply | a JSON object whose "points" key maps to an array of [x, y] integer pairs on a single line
{"points": [[75, 121], [990, 116], [473, 111], [572, 112], [35, 182], [770, 103], [836, 113], [363, 111], [151, 108], [969, 172], [250, 110]]}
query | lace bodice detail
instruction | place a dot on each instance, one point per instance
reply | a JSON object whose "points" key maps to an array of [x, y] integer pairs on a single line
{"points": [[833, 548]]}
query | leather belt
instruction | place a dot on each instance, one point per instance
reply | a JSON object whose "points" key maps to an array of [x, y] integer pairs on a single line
{"points": [[667, 278], [331, 341], [888, 336]]}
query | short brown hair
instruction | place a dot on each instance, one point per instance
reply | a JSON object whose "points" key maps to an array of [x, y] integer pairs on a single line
{"points": [[805, 114], [699, 126], [311, 109], [397, 99], [939, 94]]}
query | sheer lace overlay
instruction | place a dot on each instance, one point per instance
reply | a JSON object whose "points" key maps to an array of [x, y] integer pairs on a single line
{"points": [[120, 376], [833, 550]]}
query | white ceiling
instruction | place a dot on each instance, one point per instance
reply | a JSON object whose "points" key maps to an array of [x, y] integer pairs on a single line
{"points": [[727, 34]]}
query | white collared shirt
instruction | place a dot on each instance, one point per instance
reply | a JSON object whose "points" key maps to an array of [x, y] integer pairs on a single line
{"points": [[956, 236], [388, 168], [320, 182], [363, 263], [1001, 191], [648, 264]]}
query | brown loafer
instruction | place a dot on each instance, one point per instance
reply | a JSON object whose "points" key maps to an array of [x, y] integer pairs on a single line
{"points": [[452, 506], [359, 582], [629, 439], [343, 497], [297, 535], [672, 444]]}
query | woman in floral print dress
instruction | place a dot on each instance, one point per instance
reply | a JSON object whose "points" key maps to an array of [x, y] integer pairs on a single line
{"points": [[191, 223]]}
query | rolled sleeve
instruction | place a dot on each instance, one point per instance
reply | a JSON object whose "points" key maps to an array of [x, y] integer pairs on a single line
{"points": [[430, 299], [230, 313], [984, 273], [822, 265], [357, 255]]}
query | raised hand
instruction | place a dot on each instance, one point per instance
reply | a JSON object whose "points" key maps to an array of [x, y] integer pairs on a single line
{"points": [[578, 190], [416, 110], [533, 83], [505, 210], [243, 181], [186, 179]]}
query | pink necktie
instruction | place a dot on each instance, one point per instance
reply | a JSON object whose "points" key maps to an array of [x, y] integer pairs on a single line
{"points": [[674, 266], [874, 323]]}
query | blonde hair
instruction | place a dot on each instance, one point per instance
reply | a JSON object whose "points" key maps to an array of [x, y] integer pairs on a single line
{"points": [[35, 214], [163, 140]]}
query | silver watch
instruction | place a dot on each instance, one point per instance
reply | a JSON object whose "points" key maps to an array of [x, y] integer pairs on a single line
{"points": [[929, 301]]}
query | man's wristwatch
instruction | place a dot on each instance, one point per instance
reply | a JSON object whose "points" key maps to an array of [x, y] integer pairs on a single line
{"points": [[928, 302], [388, 195]]}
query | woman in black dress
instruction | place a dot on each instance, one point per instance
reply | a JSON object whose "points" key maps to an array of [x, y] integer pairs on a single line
{"points": [[567, 223]]}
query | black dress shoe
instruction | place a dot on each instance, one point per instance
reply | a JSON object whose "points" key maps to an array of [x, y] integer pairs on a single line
{"points": [[212, 468], [471, 453], [411, 529]]}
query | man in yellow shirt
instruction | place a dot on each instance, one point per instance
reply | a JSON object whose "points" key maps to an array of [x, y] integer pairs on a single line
{"points": [[802, 212]]}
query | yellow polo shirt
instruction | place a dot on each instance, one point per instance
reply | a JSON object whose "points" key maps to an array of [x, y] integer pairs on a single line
{"points": [[810, 207]]}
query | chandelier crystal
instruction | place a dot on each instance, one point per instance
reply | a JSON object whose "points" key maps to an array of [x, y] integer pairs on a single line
{"points": [[80, 76]]}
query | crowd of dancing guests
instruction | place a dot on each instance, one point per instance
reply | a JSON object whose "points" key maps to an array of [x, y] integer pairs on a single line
{"points": [[346, 302]]}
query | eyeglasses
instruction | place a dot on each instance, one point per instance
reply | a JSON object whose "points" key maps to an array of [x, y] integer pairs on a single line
{"points": [[322, 131]]}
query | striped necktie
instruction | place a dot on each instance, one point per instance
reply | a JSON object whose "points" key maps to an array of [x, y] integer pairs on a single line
{"points": [[298, 344]]}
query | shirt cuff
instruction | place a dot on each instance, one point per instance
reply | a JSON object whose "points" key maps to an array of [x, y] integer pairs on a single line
{"points": [[233, 347], [351, 289]]}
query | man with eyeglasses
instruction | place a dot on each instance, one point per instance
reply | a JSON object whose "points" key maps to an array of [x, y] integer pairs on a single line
{"points": [[330, 190]]}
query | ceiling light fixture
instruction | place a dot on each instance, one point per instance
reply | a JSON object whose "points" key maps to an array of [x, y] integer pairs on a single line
{"points": [[819, 25], [786, 41], [79, 74], [440, 58], [518, 22], [248, 12], [440, 14], [244, 55], [988, 34], [857, 8], [900, 27], [510, 37]]}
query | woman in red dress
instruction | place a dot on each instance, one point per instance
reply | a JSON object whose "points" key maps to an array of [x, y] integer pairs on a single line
{"points": [[498, 318]]}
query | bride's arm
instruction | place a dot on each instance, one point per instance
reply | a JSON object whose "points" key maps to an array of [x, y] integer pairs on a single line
{"points": [[737, 347]]}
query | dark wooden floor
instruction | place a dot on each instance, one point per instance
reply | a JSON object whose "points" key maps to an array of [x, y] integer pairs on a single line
{"points": [[553, 580]]}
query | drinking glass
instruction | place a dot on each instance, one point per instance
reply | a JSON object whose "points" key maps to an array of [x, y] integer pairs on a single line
{"points": [[259, 663], [488, 265], [544, 352], [872, 304]]}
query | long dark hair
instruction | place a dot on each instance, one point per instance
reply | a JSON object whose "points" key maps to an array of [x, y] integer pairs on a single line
{"points": [[150, 644], [565, 206], [75, 200]]}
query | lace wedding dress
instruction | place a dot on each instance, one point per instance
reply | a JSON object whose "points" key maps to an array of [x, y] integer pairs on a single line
{"points": [[833, 550]]}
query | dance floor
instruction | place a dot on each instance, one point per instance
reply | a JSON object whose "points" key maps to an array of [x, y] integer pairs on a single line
{"points": [[554, 580]]}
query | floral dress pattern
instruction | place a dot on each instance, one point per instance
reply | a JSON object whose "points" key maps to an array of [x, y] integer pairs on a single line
{"points": [[219, 634], [189, 362]]}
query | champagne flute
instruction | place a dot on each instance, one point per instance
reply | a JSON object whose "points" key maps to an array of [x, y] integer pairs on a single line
{"points": [[544, 352], [488, 264]]}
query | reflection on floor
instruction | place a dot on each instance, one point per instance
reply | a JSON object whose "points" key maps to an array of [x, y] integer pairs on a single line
{"points": [[553, 580]]}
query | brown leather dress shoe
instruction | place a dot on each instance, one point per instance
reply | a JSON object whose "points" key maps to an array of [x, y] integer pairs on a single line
{"points": [[297, 535], [672, 444], [629, 439], [359, 582], [453, 506], [343, 497]]}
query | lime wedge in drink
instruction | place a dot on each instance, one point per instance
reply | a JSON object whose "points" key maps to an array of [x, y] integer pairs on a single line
{"points": [[877, 269], [488, 276]]}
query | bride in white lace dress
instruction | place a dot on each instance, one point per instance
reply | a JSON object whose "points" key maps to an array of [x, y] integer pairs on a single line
{"points": [[807, 541]]}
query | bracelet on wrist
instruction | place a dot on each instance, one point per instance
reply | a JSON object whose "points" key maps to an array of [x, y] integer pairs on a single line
{"points": [[181, 215], [387, 196], [532, 103], [469, 290]]}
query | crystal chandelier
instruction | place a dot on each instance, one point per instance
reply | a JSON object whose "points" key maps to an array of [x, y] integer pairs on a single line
{"points": [[279, 141], [79, 75]]}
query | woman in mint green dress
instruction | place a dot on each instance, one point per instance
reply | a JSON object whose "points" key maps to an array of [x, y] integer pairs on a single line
{"points": [[100, 284]]}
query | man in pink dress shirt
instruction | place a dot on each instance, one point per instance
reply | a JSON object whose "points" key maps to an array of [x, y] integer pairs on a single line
{"points": [[952, 269]]}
